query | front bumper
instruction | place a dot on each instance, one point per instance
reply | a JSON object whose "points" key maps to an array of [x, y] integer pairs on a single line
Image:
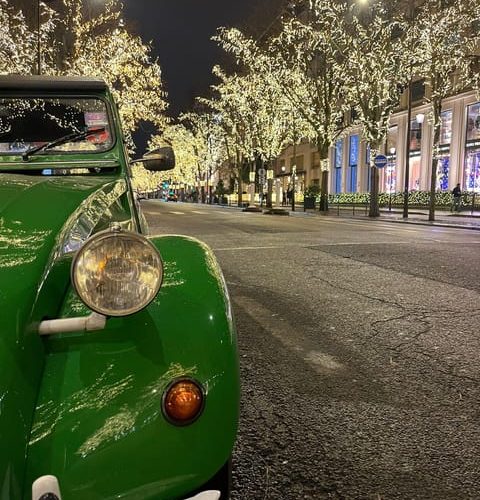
{"points": [[48, 486], [206, 495]]}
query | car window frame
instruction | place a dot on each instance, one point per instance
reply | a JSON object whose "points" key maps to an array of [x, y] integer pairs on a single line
{"points": [[66, 95]]}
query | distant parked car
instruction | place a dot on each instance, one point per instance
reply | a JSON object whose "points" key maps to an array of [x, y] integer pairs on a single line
{"points": [[172, 197]]}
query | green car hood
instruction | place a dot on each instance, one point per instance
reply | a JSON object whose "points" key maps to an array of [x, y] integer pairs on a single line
{"points": [[41, 218]]}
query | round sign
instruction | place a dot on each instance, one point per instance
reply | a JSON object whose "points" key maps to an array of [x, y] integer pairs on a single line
{"points": [[380, 161]]}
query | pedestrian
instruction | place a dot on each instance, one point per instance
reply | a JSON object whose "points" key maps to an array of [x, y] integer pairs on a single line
{"points": [[289, 195], [457, 198]]}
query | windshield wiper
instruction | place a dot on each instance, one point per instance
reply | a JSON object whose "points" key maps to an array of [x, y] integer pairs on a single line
{"points": [[73, 137]]}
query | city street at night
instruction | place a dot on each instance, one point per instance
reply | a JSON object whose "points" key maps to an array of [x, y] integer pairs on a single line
{"points": [[358, 352], [239, 250]]}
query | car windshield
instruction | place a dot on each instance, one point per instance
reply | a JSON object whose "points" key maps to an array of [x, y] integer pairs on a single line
{"points": [[31, 122]]}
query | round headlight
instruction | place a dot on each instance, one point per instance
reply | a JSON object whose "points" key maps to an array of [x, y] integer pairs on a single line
{"points": [[117, 273]]}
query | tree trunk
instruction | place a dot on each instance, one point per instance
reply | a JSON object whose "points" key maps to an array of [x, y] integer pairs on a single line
{"points": [[324, 191], [269, 203], [240, 191], [437, 109], [374, 210]]}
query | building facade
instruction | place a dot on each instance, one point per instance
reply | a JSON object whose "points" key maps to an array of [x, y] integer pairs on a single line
{"points": [[459, 153]]}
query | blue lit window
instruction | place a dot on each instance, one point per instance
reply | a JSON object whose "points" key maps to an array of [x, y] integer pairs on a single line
{"points": [[352, 164]]}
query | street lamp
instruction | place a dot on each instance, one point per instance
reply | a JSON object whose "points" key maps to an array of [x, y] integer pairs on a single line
{"points": [[420, 117]]}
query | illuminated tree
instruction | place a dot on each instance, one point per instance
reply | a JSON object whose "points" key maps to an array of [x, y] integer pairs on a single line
{"points": [[101, 46], [303, 64], [376, 49], [235, 112], [77, 41], [183, 142], [17, 42], [208, 146], [444, 39]]}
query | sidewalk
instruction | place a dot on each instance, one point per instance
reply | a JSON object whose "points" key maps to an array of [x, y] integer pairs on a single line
{"points": [[443, 218], [464, 220]]}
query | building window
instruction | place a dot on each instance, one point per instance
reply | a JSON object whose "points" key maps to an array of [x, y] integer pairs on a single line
{"points": [[472, 149], [443, 165], [415, 154], [391, 166], [297, 161], [315, 159], [338, 165], [418, 90], [352, 164]]}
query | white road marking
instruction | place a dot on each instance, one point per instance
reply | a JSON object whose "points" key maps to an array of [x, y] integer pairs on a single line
{"points": [[198, 212], [290, 337], [312, 245], [177, 213]]}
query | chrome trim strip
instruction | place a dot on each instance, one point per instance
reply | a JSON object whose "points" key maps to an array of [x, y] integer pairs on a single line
{"points": [[59, 164]]}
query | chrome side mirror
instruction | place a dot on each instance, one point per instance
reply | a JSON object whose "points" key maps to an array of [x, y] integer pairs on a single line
{"points": [[158, 160]]}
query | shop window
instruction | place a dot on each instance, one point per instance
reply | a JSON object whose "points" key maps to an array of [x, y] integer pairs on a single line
{"points": [[415, 136], [472, 170], [418, 90], [443, 165], [414, 184], [338, 166], [352, 164], [472, 149], [390, 170], [297, 161], [473, 122]]}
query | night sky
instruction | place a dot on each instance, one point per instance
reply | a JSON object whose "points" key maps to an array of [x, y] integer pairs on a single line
{"points": [[181, 30]]}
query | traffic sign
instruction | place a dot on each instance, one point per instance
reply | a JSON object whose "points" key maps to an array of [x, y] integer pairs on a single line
{"points": [[380, 161]]}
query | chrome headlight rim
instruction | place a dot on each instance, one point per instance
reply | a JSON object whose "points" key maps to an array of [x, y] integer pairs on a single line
{"points": [[107, 234]]}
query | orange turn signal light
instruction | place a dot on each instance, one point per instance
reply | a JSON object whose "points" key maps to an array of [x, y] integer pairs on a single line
{"points": [[183, 401]]}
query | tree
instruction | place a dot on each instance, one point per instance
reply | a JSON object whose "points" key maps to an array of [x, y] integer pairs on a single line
{"points": [[302, 62], [443, 37], [102, 46], [376, 48], [235, 115], [206, 147], [17, 42], [77, 41]]}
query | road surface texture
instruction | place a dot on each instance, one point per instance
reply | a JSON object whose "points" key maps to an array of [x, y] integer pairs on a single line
{"points": [[359, 353]]}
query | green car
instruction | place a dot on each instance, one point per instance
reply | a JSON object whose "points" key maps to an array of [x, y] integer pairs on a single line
{"points": [[119, 367]]}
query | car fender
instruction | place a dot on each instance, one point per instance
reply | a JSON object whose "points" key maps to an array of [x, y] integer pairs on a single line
{"points": [[99, 427]]}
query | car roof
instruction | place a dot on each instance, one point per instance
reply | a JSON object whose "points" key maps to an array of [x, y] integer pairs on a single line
{"points": [[50, 83]]}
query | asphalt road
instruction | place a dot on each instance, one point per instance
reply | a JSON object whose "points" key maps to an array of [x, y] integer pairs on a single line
{"points": [[359, 345]]}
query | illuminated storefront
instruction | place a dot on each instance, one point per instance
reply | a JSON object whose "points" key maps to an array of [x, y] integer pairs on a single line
{"points": [[472, 149], [338, 165], [352, 164], [458, 152], [390, 176], [415, 154], [443, 165]]}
